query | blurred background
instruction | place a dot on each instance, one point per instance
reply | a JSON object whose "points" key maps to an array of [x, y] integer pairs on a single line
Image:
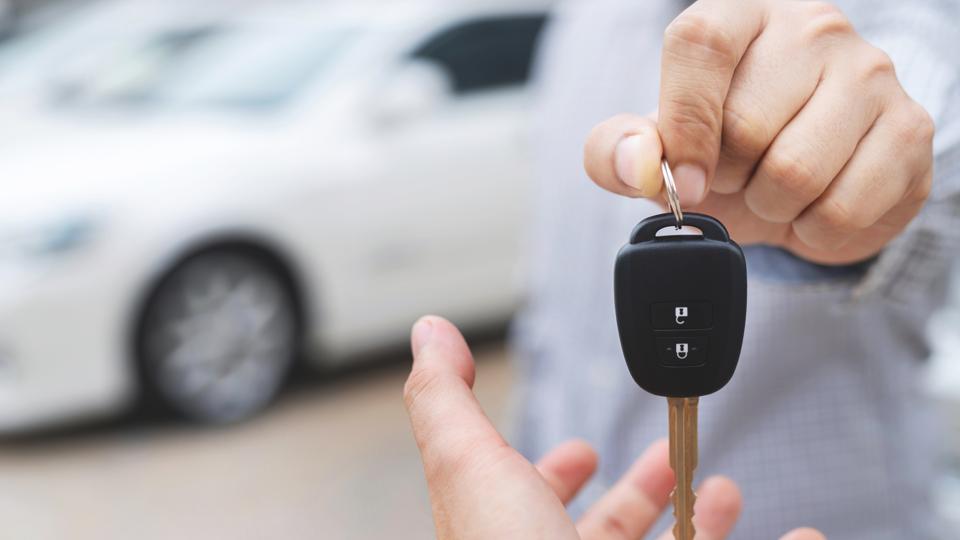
{"points": [[219, 220]]}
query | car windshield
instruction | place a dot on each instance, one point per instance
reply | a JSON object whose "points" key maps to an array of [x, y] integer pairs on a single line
{"points": [[205, 66]]}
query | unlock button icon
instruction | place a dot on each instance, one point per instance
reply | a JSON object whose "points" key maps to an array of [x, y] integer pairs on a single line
{"points": [[681, 315]]}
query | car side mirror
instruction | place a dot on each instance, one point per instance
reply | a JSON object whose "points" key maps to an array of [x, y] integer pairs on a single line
{"points": [[414, 91]]}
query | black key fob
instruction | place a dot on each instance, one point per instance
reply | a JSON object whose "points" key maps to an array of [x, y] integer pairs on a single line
{"points": [[681, 303]]}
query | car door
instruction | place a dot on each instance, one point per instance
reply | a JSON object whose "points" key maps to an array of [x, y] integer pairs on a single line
{"points": [[444, 223]]}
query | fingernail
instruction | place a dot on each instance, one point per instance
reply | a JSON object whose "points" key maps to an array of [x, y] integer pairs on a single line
{"points": [[420, 335], [636, 159], [691, 184]]}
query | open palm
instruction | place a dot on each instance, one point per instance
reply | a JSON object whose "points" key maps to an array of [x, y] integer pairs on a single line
{"points": [[483, 489]]}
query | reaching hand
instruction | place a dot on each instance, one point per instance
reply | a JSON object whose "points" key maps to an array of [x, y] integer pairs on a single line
{"points": [[482, 489], [780, 120]]}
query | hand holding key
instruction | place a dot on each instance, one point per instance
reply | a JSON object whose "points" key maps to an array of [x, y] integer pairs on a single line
{"points": [[780, 120], [482, 489]]}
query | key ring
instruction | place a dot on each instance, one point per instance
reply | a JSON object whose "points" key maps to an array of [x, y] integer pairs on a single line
{"points": [[673, 199]]}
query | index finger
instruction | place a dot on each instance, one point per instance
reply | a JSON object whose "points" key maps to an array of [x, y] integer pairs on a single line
{"points": [[701, 50]]}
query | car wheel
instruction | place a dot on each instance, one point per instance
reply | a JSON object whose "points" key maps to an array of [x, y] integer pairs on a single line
{"points": [[218, 336]]}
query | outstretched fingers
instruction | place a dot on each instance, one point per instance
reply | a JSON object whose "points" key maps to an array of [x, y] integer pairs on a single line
{"points": [[630, 508], [716, 510], [567, 468]]}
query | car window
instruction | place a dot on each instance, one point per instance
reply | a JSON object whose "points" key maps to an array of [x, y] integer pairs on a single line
{"points": [[251, 68], [124, 69], [237, 67], [487, 53]]}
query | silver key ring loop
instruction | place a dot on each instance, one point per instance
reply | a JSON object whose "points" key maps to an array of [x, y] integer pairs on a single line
{"points": [[673, 199]]}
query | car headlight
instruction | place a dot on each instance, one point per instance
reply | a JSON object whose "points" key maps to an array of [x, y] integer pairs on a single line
{"points": [[47, 238]]}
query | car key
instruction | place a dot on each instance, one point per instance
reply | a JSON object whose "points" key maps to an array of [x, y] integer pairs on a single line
{"points": [[681, 307]]}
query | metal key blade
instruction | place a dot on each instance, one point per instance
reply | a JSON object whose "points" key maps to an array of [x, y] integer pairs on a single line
{"points": [[683, 460]]}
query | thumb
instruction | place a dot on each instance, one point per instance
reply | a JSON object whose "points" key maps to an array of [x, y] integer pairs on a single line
{"points": [[622, 155], [448, 423]]}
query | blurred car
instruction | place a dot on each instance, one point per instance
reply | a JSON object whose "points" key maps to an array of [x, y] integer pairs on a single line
{"points": [[215, 196]]}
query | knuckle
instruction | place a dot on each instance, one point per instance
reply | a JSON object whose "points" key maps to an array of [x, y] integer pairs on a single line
{"points": [[913, 128], [921, 190], [822, 7], [593, 162], [796, 179], [599, 131], [453, 458], [445, 463], [824, 19], [615, 527], [694, 113], [923, 124], [696, 34], [875, 63], [908, 134], [612, 127], [835, 216], [760, 204], [595, 133], [745, 134], [421, 382]]}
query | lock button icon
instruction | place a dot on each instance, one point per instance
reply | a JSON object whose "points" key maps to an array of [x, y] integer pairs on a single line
{"points": [[682, 351]]}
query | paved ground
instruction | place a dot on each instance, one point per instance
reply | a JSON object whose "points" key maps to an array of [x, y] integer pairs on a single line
{"points": [[332, 460]]}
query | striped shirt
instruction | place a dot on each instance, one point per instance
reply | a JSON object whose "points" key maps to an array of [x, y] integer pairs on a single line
{"points": [[824, 423]]}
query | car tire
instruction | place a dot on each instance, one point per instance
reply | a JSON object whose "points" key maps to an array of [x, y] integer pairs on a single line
{"points": [[218, 336]]}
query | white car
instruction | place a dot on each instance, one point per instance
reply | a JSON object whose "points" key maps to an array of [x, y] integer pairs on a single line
{"points": [[215, 197]]}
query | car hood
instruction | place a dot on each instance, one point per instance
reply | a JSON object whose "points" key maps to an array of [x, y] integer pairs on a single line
{"points": [[76, 165]]}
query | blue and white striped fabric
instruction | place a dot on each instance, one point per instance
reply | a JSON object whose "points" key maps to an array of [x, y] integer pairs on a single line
{"points": [[823, 423]]}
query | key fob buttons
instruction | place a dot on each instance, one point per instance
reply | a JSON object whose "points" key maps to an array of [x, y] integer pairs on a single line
{"points": [[681, 316], [678, 351], [681, 306]]}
